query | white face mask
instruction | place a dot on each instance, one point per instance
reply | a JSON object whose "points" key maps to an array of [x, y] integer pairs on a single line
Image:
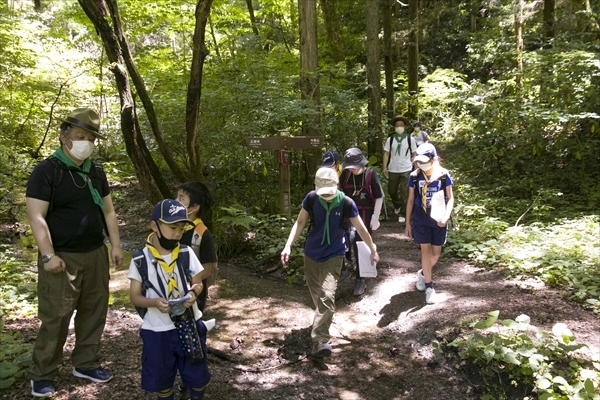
{"points": [[329, 197], [417, 129], [426, 166], [399, 130], [81, 149]]}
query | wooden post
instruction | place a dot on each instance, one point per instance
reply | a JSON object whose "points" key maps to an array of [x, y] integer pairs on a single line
{"points": [[283, 145]]}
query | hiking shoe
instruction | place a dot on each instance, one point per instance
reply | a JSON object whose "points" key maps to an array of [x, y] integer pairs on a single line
{"points": [[430, 295], [99, 374], [397, 210], [401, 220], [321, 349], [420, 281], [344, 275], [359, 286], [42, 388]]}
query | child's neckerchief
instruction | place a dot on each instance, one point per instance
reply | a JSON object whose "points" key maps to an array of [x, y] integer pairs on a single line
{"points": [[169, 269], [339, 197], [424, 190], [399, 140], [83, 171], [197, 221]]}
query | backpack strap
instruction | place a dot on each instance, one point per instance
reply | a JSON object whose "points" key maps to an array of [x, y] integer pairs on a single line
{"points": [[57, 176], [310, 202]]}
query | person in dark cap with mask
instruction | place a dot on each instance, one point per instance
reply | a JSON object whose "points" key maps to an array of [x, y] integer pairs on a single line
{"points": [[419, 134], [70, 211], [362, 185], [398, 152], [332, 160]]}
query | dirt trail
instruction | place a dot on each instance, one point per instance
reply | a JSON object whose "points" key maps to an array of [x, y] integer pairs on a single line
{"points": [[381, 340]]}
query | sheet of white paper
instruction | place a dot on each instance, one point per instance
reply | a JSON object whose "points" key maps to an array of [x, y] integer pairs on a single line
{"points": [[438, 206], [367, 270]]}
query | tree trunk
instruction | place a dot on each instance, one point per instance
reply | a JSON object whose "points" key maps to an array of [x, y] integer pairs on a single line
{"points": [[373, 78], [413, 59], [549, 8], [309, 81], [140, 87], [332, 27], [474, 13], [252, 17], [136, 148], [192, 107], [387, 62], [519, 42]]}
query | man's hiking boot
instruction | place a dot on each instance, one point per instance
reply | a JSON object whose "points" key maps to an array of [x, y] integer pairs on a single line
{"points": [[320, 350], [42, 388], [99, 375]]}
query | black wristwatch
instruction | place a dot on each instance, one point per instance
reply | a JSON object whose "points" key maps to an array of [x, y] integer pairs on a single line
{"points": [[47, 257]]}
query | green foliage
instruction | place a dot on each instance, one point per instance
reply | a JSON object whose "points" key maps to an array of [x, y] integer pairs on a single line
{"points": [[17, 300], [521, 355]]}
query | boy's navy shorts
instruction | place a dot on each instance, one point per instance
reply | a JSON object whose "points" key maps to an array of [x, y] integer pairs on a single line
{"points": [[425, 230], [162, 357]]}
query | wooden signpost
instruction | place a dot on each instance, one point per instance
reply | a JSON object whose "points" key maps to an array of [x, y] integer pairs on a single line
{"points": [[283, 145]]}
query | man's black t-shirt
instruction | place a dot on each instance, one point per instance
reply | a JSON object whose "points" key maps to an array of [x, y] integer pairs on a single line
{"points": [[75, 222]]}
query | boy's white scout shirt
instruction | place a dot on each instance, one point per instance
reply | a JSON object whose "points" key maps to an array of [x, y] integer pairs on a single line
{"points": [[154, 320], [402, 162]]}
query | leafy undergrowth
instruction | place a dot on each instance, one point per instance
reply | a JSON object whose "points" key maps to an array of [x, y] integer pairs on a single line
{"points": [[17, 300], [518, 360], [563, 254]]}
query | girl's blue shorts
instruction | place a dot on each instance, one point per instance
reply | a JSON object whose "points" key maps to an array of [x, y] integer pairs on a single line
{"points": [[425, 230]]}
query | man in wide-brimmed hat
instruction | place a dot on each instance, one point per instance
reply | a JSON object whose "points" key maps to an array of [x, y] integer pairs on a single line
{"points": [[398, 152], [70, 209]]}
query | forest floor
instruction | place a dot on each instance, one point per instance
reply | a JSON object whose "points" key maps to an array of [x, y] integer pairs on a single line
{"points": [[382, 340]]}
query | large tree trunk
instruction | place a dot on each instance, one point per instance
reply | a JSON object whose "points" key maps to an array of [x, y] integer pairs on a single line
{"points": [[309, 80], [140, 87], [413, 59], [519, 19], [373, 78], [192, 107], [332, 27], [134, 143], [549, 9], [387, 62]]}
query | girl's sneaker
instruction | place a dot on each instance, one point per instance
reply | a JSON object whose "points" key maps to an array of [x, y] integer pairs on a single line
{"points": [[420, 281], [430, 296]]}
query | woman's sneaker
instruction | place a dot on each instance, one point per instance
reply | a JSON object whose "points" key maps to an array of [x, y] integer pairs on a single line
{"points": [[420, 281], [42, 388]]}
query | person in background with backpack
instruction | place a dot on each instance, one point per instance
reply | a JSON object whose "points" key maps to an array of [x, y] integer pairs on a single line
{"points": [[419, 134], [398, 151], [362, 185], [332, 160], [69, 208], [427, 180], [198, 200], [159, 276], [326, 208]]}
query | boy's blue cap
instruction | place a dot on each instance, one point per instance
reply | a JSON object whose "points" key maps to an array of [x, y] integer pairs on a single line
{"points": [[170, 211], [425, 152], [329, 159]]}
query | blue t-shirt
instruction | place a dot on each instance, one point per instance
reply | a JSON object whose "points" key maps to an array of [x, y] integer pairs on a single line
{"points": [[431, 188], [313, 248]]}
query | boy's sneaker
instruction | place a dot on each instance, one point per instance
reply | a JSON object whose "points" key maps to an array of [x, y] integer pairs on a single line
{"points": [[420, 281], [99, 374], [321, 349], [430, 295], [401, 220], [397, 210], [42, 388], [359, 286]]}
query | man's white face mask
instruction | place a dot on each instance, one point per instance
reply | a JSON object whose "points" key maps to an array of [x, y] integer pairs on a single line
{"points": [[81, 149], [399, 130], [329, 197]]}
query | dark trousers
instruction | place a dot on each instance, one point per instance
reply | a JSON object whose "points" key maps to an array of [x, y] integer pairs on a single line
{"points": [[398, 189], [82, 287]]}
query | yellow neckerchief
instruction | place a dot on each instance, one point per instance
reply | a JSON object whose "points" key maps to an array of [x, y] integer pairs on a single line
{"points": [[169, 269], [196, 222], [427, 182]]}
